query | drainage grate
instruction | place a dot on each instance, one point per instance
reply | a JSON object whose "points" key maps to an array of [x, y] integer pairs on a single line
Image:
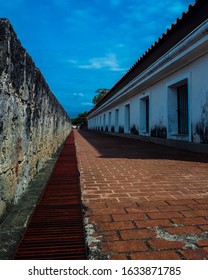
{"points": [[55, 229]]}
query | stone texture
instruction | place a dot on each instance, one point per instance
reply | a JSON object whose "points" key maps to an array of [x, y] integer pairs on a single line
{"points": [[2, 208], [33, 124]]}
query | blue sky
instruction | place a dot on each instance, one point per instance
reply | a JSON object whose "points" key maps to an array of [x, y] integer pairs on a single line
{"points": [[82, 45]]}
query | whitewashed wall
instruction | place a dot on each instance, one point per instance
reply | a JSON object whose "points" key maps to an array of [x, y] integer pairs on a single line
{"points": [[185, 64]]}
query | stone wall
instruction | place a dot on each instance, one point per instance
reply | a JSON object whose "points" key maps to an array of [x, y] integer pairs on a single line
{"points": [[33, 124]]}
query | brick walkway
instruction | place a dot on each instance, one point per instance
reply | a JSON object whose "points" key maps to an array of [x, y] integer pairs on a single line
{"points": [[142, 201]]}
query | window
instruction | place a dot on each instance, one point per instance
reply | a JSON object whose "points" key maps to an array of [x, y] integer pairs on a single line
{"points": [[178, 110], [100, 122], [144, 115], [96, 123], [127, 119], [147, 114], [109, 121], [117, 120], [104, 123], [182, 93]]}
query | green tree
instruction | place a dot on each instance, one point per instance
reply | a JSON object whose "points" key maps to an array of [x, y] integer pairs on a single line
{"points": [[81, 119], [99, 95]]}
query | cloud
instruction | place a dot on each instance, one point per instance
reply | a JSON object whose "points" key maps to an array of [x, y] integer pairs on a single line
{"points": [[79, 94], [140, 13], [72, 61], [143, 24], [109, 61], [120, 45], [86, 104]]}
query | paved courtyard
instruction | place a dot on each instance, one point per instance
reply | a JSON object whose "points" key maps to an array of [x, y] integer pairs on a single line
{"points": [[141, 200]]}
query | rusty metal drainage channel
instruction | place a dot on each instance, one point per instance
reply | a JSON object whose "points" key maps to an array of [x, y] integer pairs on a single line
{"points": [[55, 229]]}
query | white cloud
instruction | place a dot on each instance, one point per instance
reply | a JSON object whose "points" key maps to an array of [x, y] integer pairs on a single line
{"points": [[80, 94], [143, 24], [72, 61], [120, 45], [109, 61], [86, 104], [142, 13]]}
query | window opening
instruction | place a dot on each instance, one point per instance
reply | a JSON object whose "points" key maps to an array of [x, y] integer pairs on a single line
{"points": [[182, 94]]}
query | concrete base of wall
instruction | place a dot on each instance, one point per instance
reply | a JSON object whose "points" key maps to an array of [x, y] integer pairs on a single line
{"points": [[183, 145]]}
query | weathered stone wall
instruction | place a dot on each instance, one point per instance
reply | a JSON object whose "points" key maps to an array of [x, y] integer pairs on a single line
{"points": [[33, 124]]}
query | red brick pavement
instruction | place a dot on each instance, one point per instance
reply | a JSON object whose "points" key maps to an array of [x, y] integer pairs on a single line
{"points": [[142, 201]]}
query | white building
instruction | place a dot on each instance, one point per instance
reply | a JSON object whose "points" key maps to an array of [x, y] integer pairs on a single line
{"points": [[164, 96]]}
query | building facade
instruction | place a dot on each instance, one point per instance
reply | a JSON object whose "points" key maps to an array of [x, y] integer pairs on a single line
{"points": [[165, 94]]}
